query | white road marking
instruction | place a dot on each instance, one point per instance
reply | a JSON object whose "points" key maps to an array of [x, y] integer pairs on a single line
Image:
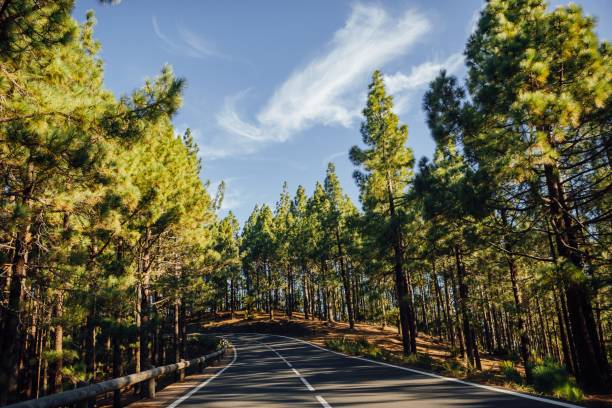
{"points": [[441, 377], [323, 402], [297, 373], [486, 387], [203, 384], [306, 383]]}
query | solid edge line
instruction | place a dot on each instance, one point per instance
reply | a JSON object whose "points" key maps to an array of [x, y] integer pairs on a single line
{"points": [[204, 383], [486, 387]]}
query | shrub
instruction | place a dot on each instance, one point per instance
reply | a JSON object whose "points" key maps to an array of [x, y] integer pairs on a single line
{"points": [[419, 360], [360, 346], [510, 372], [453, 367], [550, 378], [569, 391]]}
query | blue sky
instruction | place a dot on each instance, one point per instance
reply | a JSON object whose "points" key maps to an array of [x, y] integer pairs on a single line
{"points": [[275, 88]]}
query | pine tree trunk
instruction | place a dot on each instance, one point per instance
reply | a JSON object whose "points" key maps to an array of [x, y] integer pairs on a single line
{"points": [[592, 368], [402, 286], [11, 333], [176, 332], [449, 323], [137, 318], [232, 298], [116, 343], [520, 311], [183, 330], [56, 383], [546, 347], [90, 342], [567, 357], [465, 317], [270, 292], [345, 282], [439, 303], [424, 310], [306, 294]]}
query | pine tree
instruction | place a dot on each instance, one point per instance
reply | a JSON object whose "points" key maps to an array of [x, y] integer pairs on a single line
{"points": [[540, 85], [340, 208], [387, 163]]}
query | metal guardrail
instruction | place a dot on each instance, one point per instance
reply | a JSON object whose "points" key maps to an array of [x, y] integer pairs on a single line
{"points": [[85, 396]]}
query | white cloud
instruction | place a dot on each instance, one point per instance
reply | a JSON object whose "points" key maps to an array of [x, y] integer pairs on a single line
{"points": [[330, 89], [229, 120], [343, 153], [421, 74], [191, 45], [403, 86], [473, 24]]}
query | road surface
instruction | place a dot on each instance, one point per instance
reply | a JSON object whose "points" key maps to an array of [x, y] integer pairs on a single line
{"points": [[278, 371]]}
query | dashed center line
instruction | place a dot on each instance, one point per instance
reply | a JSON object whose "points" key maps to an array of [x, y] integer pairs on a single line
{"points": [[306, 383], [319, 398], [323, 402]]}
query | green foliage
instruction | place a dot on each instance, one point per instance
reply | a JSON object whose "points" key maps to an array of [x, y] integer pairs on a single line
{"points": [[453, 368], [510, 372], [420, 360], [104, 199], [357, 347], [508, 223], [550, 378]]}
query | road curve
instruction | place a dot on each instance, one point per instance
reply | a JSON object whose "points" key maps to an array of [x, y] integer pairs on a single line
{"points": [[278, 371]]}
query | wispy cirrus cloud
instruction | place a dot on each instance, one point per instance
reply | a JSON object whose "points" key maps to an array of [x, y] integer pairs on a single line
{"points": [[327, 159], [326, 90], [189, 43], [330, 89], [403, 86]]}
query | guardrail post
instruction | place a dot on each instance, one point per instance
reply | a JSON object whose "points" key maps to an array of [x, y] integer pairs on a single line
{"points": [[144, 381], [150, 385], [117, 399], [82, 403], [181, 376], [151, 388]]}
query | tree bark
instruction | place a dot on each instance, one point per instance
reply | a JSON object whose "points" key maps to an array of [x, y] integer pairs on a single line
{"points": [[465, 316], [345, 282], [592, 369], [56, 383], [11, 330], [306, 294], [402, 287]]}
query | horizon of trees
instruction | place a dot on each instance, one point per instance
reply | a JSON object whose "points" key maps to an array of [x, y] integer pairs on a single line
{"points": [[111, 245]]}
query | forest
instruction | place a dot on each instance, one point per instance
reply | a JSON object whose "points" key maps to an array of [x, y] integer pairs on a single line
{"points": [[111, 244]]}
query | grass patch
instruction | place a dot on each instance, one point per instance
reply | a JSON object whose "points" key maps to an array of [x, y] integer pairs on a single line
{"points": [[510, 372], [358, 347], [549, 378], [420, 360], [452, 367]]}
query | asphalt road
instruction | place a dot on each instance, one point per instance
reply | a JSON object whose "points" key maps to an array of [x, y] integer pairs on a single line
{"points": [[277, 371]]}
